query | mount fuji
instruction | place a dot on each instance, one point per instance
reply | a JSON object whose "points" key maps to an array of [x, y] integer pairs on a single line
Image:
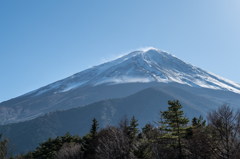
{"points": [[120, 78], [152, 65]]}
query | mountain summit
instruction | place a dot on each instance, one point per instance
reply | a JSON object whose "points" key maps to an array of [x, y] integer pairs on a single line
{"points": [[151, 65]]}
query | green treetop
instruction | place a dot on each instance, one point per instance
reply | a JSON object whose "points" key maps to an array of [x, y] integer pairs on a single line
{"points": [[175, 123], [94, 128], [133, 130]]}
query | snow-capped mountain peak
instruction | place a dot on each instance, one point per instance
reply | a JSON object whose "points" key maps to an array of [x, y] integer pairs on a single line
{"points": [[144, 66]]}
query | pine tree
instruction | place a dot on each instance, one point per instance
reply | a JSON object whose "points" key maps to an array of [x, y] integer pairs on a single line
{"points": [[133, 130], [146, 129], [123, 124], [174, 123], [90, 141], [94, 128], [198, 121], [3, 147], [67, 138]]}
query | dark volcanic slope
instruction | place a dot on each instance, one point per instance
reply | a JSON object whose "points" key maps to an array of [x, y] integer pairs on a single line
{"points": [[26, 107], [145, 105]]}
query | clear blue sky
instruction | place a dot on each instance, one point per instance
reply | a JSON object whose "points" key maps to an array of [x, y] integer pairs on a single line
{"points": [[42, 41]]}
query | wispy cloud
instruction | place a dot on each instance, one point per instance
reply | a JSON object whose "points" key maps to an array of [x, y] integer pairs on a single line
{"points": [[146, 48]]}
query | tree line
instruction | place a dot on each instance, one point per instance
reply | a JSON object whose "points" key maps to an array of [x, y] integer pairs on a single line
{"points": [[173, 136]]}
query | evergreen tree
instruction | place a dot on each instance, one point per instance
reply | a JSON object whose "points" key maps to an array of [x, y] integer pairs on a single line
{"points": [[67, 138], [193, 138], [49, 148], [94, 128], [198, 121], [90, 141], [124, 124], [3, 147], [133, 130], [143, 149], [175, 123], [146, 129], [86, 141]]}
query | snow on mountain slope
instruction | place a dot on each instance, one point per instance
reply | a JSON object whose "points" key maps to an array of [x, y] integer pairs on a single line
{"points": [[151, 65]]}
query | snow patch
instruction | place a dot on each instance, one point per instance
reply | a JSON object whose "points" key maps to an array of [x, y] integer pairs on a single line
{"points": [[71, 86], [125, 79]]}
